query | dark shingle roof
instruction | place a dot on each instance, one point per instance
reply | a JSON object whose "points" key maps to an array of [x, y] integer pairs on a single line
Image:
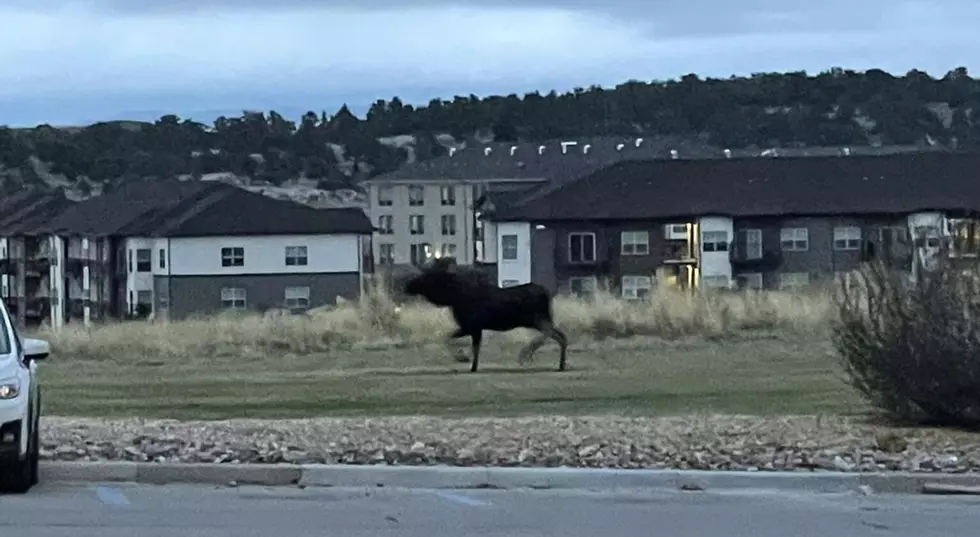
{"points": [[22, 213], [864, 184], [176, 208], [523, 161]]}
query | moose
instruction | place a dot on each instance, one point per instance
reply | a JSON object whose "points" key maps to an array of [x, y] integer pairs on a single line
{"points": [[478, 304]]}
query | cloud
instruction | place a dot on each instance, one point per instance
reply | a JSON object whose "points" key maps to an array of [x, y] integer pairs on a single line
{"points": [[196, 53]]}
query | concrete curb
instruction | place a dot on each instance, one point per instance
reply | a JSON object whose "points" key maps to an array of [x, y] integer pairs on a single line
{"points": [[435, 477]]}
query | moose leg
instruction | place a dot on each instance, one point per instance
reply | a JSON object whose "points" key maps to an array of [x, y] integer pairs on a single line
{"points": [[562, 341], [547, 330], [528, 352], [459, 356], [477, 337]]}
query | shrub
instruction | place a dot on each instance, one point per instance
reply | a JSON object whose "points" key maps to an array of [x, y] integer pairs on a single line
{"points": [[911, 346]]}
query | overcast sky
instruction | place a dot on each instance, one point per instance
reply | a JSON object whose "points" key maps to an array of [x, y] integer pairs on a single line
{"points": [[70, 62]]}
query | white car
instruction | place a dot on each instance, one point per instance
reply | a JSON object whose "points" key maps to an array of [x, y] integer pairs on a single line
{"points": [[20, 406]]}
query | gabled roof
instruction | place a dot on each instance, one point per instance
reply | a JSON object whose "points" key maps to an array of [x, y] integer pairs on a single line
{"points": [[761, 186], [560, 160], [185, 208], [529, 162], [23, 212]]}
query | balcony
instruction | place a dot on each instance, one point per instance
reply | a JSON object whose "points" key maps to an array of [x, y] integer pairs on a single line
{"points": [[679, 252]]}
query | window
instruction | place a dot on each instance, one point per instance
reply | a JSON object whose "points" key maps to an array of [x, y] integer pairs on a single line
{"points": [[448, 250], [386, 224], [297, 297], [144, 260], [420, 253], [794, 239], [716, 281], [508, 247], [714, 241], [129, 260], [966, 237], [416, 224], [447, 195], [847, 238], [926, 236], [753, 243], [509, 283], [233, 257], [144, 297], [582, 286], [581, 247], [386, 253], [162, 255], [788, 280], [448, 225], [749, 280], [385, 196], [296, 256], [635, 242], [636, 286], [233, 298], [416, 195]]}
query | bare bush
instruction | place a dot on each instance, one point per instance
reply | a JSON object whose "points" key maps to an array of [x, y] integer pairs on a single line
{"points": [[911, 345]]}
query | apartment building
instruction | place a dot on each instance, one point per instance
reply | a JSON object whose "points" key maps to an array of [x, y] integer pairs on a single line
{"points": [[176, 248], [743, 222]]}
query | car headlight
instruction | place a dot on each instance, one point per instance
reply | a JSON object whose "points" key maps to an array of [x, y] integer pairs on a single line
{"points": [[9, 388]]}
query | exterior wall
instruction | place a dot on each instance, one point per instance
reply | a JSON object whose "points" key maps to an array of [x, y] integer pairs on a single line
{"points": [[186, 276], [200, 256], [185, 296], [138, 283], [929, 230], [821, 260], [543, 258], [516, 271], [715, 264], [432, 211], [486, 249]]}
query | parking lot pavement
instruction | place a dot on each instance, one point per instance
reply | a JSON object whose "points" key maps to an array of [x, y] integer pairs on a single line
{"points": [[113, 510]]}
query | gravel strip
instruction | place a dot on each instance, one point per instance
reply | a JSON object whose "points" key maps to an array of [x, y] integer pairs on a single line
{"points": [[702, 442]]}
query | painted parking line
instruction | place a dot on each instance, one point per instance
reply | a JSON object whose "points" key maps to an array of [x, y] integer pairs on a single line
{"points": [[460, 498], [111, 496]]}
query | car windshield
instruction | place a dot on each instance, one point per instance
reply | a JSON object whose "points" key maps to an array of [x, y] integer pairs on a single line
{"points": [[4, 333]]}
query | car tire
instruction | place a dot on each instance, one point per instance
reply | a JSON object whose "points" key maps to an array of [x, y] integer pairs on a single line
{"points": [[35, 453], [18, 476]]}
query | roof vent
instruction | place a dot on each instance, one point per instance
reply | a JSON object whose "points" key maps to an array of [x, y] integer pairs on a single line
{"points": [[585, 148], [540, 149], [564, 147], [487, 151], [728, 153], [451, 151], [619, 147], [674, 154], [639, 141], [513, 149]]}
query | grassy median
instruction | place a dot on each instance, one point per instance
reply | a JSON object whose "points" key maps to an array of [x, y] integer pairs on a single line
{"points": [[761, 353]]}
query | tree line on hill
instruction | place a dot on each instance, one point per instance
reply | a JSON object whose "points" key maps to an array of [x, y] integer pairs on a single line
{"points": [[835, 107]]}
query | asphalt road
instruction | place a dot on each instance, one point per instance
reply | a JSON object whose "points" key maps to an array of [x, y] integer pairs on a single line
{"points": [[71, 510]]}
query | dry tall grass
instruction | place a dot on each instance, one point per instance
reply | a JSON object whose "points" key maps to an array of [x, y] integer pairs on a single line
{"points": [[379, 322]]}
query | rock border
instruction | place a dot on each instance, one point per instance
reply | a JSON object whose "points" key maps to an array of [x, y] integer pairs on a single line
{"points": [[451, 477]]}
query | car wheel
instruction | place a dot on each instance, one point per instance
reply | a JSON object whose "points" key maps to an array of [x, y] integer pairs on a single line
{"points": [[17, 476], [35, 452]]}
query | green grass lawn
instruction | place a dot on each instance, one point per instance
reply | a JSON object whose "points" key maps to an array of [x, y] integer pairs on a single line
{"points": [[756, 374]]}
